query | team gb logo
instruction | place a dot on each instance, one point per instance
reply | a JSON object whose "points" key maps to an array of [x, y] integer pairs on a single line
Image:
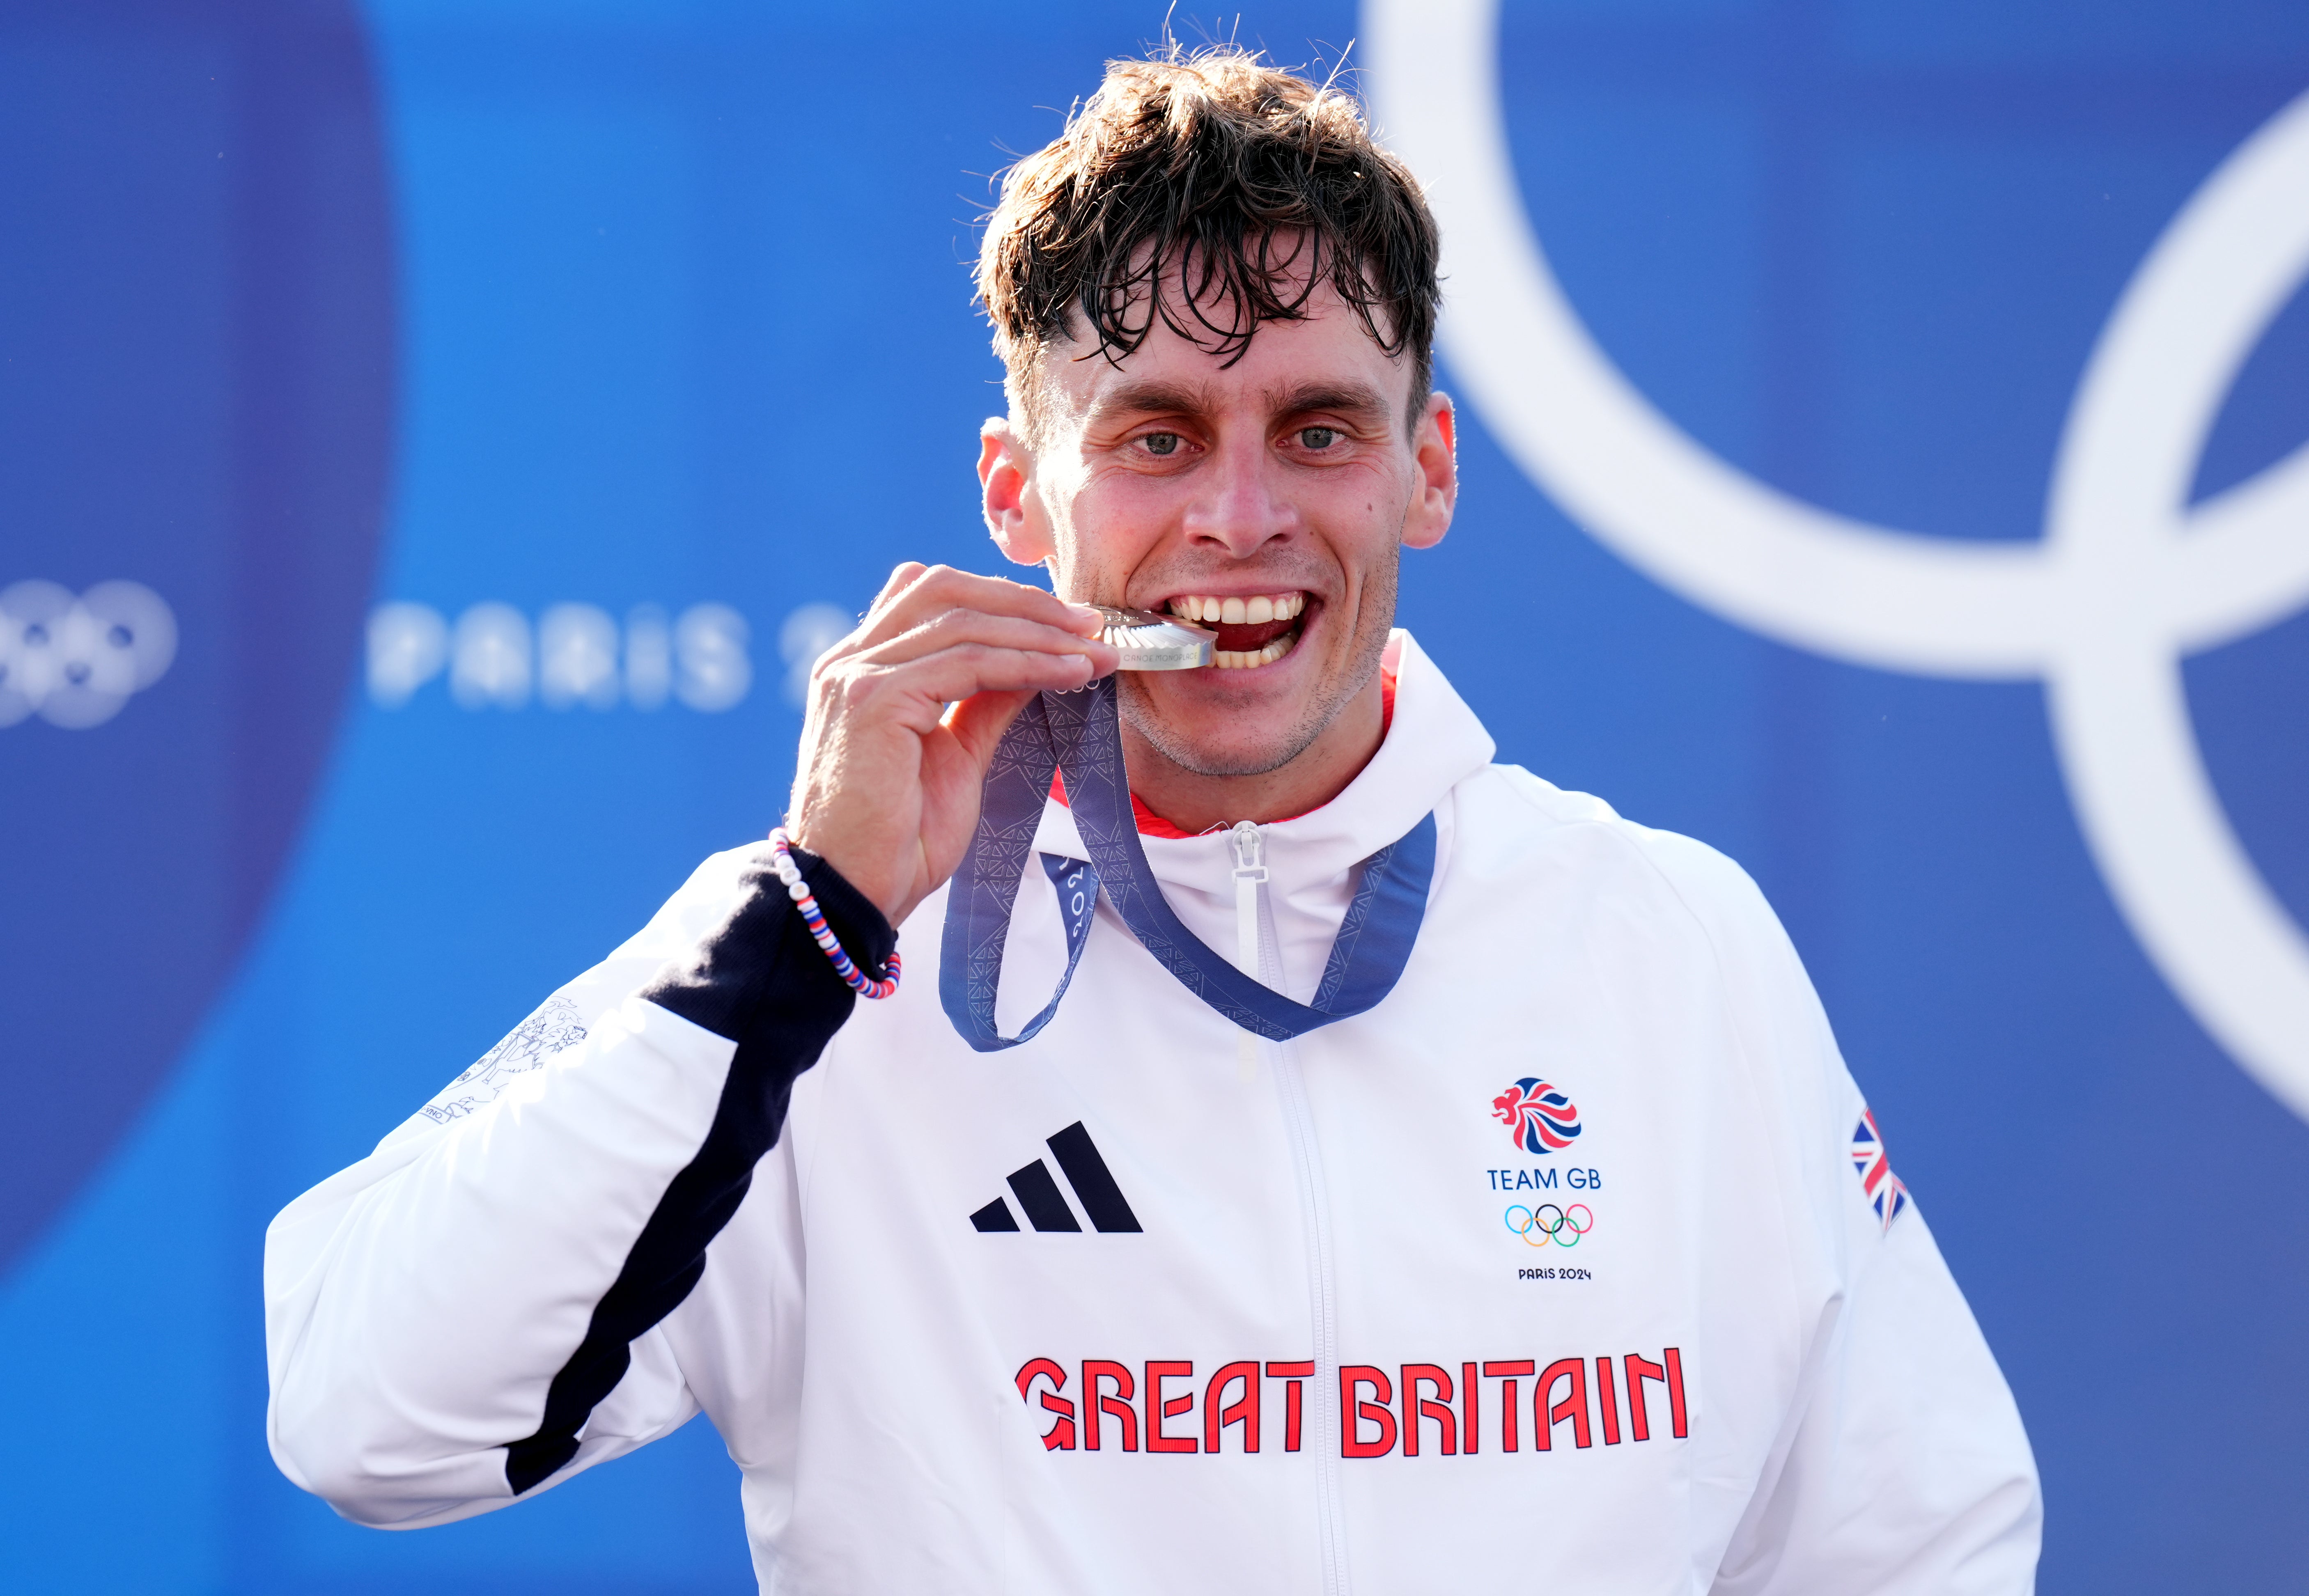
{"points": [[1538, 1116]]}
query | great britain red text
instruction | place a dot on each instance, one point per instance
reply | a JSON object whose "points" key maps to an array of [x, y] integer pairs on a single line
{"points": [[1412, 1410]]}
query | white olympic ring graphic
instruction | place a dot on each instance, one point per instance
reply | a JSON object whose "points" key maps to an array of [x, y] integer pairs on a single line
{"points": [[1549, 1229], [73, 662], [2127, 579]]}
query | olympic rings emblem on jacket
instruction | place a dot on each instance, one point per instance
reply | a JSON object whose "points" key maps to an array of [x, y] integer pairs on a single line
{"points": [[1547, 1222]]}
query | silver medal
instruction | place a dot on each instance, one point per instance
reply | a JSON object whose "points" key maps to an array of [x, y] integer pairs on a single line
{"points": [[1150, 642]]}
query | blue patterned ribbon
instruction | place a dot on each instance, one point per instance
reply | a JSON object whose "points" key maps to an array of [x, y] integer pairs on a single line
{"points": [[1079, 733]]}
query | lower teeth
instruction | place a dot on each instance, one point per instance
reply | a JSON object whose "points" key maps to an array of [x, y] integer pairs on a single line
{"points": [[1229, 660]]}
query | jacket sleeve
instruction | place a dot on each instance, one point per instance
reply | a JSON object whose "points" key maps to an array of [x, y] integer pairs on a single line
{"points": [[1901, 1468], [1905, 1468], [472, 1312]]}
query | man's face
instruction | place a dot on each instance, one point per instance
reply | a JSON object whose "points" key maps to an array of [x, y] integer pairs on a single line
{"points": [[1269, 500]]}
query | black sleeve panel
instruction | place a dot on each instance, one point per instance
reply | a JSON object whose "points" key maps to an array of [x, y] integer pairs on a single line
{"points": [[727, 985], [761, 981]]}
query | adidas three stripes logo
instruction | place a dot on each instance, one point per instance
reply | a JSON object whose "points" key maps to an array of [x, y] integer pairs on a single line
{"points": [[1044, 1206]]}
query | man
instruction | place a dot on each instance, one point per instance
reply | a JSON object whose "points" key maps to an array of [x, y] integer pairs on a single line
{"points": [[1422, 1177]]}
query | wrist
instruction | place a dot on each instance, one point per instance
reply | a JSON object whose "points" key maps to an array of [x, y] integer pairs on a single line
{"points": [[853, 867], [857, 938]]}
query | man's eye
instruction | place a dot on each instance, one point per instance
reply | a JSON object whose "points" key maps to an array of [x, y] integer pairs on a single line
{"points": [[1318, 437], [1161, 442]]}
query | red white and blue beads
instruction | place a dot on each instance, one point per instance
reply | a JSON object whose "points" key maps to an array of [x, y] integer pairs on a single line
{"points": [[789, 873]]}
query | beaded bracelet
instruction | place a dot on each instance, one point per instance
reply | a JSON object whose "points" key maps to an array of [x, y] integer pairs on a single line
{"points": [[781, 860]]}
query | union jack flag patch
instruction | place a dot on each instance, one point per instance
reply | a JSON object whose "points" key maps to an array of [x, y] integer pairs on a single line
{"points": [[1882, 1188]]}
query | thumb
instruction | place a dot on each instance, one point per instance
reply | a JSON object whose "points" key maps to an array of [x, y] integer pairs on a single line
{"points": [[954, 769], [979, 722]]}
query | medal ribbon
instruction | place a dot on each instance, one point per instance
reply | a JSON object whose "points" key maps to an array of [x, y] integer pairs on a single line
{"points": [[1080, 733]]}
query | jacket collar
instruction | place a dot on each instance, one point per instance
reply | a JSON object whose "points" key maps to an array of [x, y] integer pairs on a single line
{"points": [[1433, 743]]}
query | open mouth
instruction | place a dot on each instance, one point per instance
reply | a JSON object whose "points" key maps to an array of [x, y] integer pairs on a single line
{"points": [[1252, 631]]}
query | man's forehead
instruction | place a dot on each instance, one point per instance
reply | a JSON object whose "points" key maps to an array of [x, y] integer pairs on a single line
{"points": [[1327, 359]]}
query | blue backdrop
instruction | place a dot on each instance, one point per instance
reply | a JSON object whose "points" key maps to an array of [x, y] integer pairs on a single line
{"points": [[486, 400]]}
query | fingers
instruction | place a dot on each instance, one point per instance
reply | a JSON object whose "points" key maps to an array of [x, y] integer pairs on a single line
{"points": [[938, 635], [955, 627], [917, 594], [915, 693], [902, 576]]}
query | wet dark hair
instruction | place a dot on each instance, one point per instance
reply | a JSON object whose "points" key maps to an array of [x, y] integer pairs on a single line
{"points": [[1223, 174]]}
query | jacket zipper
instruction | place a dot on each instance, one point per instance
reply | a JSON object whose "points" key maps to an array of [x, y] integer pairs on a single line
{"points": [[1259, 955]]}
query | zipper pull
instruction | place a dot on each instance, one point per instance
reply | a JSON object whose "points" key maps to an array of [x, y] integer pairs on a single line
{"points": [[1249, 846], [1249, 849]]}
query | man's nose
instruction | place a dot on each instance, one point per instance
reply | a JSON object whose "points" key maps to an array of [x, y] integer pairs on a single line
{"points": [[1243, 507]]}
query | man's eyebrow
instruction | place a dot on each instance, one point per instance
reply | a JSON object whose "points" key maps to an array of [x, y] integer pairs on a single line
{"points": [[1155, 396], [1346, 398], [1151, 397]]}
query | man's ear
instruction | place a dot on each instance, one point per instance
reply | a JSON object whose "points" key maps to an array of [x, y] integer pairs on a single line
{"points": [[1005, 480], [1435, 450]]}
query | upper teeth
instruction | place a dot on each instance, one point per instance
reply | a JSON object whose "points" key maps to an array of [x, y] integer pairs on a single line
{"points": [[1240, 612]]}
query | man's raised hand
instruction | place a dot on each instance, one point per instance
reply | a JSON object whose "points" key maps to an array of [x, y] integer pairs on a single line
{"points": [[888, 785]]}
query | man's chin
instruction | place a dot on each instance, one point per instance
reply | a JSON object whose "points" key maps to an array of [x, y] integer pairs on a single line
{"points": [[1215, 740], [1229, 759]]}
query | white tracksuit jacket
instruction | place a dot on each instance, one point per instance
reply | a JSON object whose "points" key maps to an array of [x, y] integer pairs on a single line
{"points": [[1148, 1305]]}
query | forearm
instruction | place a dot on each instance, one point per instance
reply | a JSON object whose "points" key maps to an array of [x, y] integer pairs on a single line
{"points": [[444, 1318]]}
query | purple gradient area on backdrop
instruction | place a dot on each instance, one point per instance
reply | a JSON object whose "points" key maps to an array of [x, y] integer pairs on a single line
{"points": [[197, 397]]}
